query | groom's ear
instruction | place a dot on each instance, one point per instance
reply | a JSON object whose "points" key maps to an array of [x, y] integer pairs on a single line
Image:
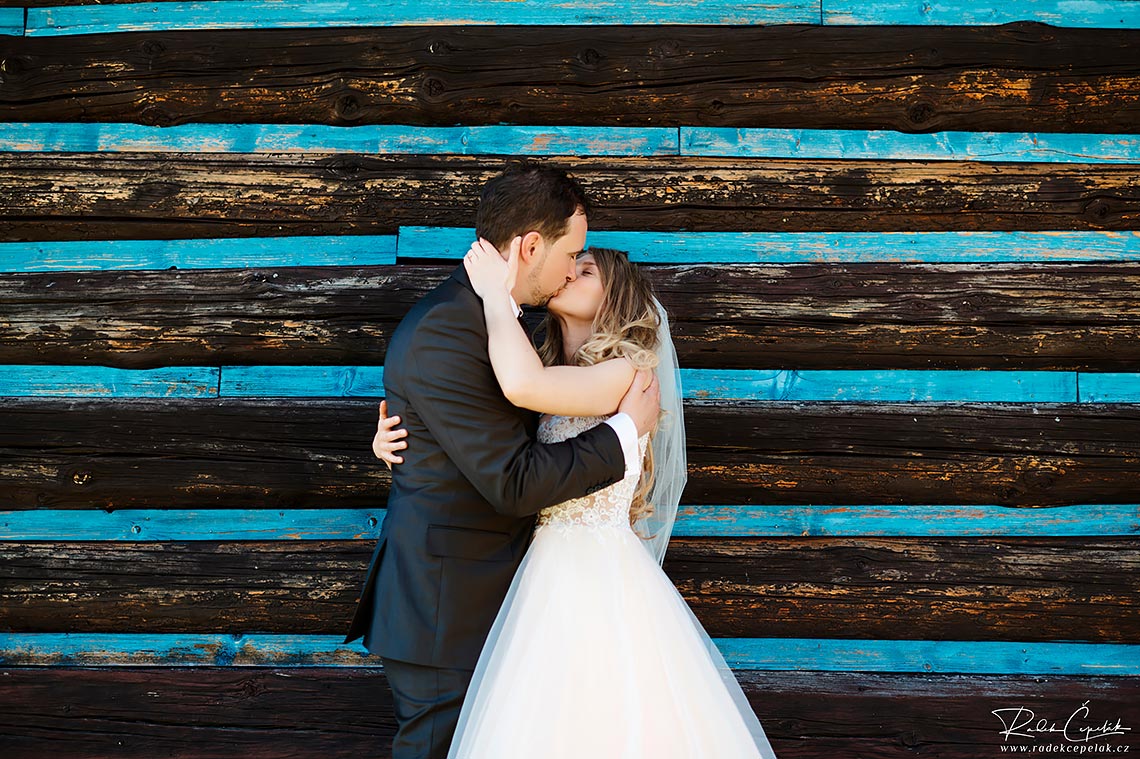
{"points": [[531, 244]]}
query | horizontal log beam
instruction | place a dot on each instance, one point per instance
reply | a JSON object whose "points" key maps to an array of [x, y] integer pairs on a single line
{"points": [[877, 520], [1018, 78], [60, 196], [852, 386], [1042, 316], [260, 14], [452, 243], [254, 14], [300, 652], [1099, 13], [296, 453], [933, 588], [87, 137], [346, 712], [659, 248]]}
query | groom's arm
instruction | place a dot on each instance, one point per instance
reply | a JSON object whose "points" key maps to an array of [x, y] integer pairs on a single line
{"points": [[451, 387]]}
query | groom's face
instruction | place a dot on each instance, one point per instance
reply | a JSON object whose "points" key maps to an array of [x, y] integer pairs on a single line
{"points": [[555, 263]]}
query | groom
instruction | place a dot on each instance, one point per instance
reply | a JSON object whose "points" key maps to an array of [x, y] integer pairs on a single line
{"points": [[462, 506]]}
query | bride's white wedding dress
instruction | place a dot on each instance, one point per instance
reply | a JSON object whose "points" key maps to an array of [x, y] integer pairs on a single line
{"points": [[594, 654]]}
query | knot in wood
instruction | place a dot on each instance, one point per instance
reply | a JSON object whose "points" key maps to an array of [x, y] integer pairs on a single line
{"points": [[920, 113], [590, 56], [347, 107], [1098, 209], [153, 48]]}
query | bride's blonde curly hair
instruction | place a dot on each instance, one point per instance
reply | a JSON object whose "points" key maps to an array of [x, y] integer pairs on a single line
{"points": [[625, 326]]}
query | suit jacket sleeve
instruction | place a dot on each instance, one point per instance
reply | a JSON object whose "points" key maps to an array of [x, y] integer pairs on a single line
{"points": [[452, 387]]}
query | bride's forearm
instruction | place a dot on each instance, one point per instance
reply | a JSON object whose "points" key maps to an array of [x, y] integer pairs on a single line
{"points": [[516, 364], [569, 390]]}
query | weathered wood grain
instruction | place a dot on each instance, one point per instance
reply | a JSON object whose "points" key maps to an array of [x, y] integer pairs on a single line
{"points": [[804, 316], [928, 588], [1020, 77], [306, 453], [46, 196], [347, 712]]}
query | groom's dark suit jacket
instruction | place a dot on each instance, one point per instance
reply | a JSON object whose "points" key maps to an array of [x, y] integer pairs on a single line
{"points": [[462, 505]]}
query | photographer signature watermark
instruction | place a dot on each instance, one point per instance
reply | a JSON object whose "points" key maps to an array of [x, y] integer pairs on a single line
{"points": [[1078, 734]]}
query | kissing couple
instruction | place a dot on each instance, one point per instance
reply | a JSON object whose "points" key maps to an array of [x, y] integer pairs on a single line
{"points": [[516, 596]]}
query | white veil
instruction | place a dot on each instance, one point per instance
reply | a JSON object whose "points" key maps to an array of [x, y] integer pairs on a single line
{"points": [[670, 463]]}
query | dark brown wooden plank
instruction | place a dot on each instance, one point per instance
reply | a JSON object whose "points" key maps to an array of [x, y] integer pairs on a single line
{"points": [[805, 316], [48, 196], [924, 588], [316, 453], [219, 713], [1010, 454], [1016, 77]]}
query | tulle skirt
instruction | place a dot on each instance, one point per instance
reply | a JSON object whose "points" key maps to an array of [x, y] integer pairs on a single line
{"points": [[594, 654]]}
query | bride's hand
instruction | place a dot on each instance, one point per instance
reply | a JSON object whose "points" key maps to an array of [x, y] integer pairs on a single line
{"points": [[487, 269], [385, 443]]}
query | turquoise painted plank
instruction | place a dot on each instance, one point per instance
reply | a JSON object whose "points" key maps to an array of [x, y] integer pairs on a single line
{"points": [[1097, 520], [265, 14], [1117, 14], [12, 22], [847, 386], [221, 253], [974, 385], [776, 654], [35, 380], [303, 381], [775, 385], [931, 656], [817, 247], [888, 145], [644, 247], [1109, 387], [71, 137], [570, 140], [191, 382], [143, 525]]}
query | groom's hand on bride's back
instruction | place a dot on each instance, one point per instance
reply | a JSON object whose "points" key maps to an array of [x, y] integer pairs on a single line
{"points": [[643, 401], [387, 440]]}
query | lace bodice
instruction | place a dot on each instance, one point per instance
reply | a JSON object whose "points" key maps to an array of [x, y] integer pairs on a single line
{"points": [[607, 508]]}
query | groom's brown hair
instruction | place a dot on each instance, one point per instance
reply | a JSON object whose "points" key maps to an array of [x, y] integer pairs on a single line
{"points": [[528, 197]]}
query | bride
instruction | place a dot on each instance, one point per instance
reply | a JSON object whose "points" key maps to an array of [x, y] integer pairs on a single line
{"points": [[594, 653]]}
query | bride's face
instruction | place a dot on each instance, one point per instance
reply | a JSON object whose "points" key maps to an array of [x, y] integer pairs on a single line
{"points": [[581, 298]]}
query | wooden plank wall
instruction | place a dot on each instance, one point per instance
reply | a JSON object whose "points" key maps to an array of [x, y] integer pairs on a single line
{"points": [[900, 242]]}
